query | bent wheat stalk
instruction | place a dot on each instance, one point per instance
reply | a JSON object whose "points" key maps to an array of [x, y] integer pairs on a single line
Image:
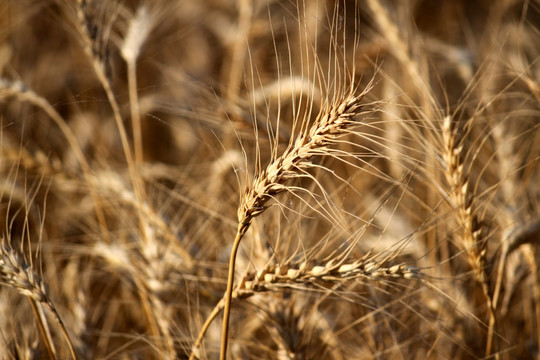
{"points": [[334, 121]]}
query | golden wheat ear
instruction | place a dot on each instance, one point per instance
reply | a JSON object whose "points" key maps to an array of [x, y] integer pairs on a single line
{"points": [[18, 274], [334, 121]]}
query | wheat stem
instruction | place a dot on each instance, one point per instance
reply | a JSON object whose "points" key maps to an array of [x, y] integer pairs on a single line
{"points": [[242, 228]]}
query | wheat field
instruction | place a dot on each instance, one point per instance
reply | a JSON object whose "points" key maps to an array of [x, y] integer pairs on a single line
{"points": [[273, 179]]}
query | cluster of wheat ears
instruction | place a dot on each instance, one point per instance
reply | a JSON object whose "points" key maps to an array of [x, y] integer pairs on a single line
{"points": [[275, 179]]}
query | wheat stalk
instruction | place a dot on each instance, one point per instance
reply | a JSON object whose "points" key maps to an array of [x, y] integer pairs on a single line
{"points": [[91, 47]]}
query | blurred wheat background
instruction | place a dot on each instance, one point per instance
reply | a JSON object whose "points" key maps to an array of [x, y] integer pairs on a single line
{"points": [[376, 162]]}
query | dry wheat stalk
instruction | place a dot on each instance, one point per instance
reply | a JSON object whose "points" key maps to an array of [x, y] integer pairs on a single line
{"points": [[92, 46]]}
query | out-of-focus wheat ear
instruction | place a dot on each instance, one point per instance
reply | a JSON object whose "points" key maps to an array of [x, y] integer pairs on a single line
{"points": [[146, 263], [153, 276], [299, 330], [532, 84], [235, 63], [114, 185], [473, 240], [229, 161], [507, 162], [401, 51], [85, 23], [142, 274], [75, 286], [88, 28], [19, 275], [393, 130], [21, 92], [519, 233], [139, 29]]}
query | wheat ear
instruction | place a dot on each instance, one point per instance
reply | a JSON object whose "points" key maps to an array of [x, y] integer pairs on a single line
{"points": [[277, 277], [91, 47], [139, 29], [19, 275], [473, 239], [334, 121]]}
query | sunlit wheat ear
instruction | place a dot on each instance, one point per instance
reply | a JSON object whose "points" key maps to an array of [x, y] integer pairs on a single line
{"points": [[16, 273], [457, 177], [473, 239], [331, 124], [139, 29], [335, 120], [306, 274]]}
